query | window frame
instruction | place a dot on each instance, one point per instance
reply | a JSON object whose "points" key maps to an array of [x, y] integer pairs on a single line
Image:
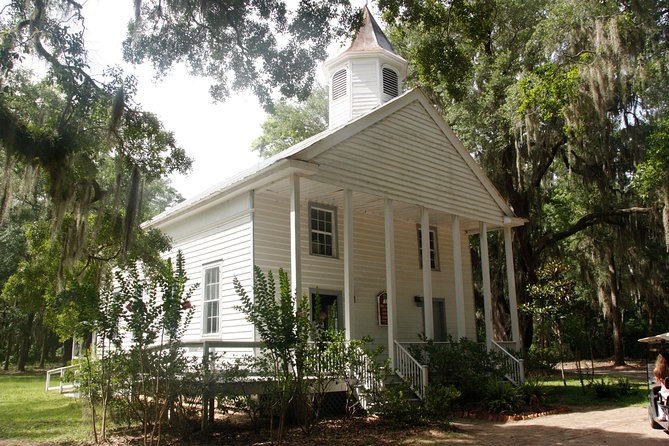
{"points": [[206, 316], [433, 261], [335, 239]]}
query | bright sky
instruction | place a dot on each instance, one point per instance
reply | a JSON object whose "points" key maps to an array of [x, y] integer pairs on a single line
{"points": [[216, 136]]}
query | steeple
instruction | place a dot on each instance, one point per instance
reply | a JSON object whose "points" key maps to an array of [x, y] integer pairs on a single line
{"points": [[365, 74]]}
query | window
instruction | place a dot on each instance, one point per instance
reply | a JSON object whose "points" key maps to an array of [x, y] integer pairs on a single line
{"points": [[434, 249], [211, 302], [390, 82], [323, 230], [339, 84]]}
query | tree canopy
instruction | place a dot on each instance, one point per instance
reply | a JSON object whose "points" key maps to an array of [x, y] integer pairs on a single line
{"points": [[291, 123], [557, 100], [255, 44]]}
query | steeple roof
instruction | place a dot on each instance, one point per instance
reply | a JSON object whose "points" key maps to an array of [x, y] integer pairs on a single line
{"points": [[369, 37], [369, 40]]}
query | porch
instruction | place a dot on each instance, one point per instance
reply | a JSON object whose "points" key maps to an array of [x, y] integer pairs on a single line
{"points": [[376, 266]]}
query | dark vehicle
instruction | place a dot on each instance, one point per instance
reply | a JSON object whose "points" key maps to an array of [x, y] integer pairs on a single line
{"points": [[658, 413]]}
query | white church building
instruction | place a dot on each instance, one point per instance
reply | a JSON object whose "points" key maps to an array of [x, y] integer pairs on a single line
{"points": [[375, 213]]}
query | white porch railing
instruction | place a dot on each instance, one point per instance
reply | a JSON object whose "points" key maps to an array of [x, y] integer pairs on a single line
{"points": [[410, 370], [509, 346], [515, 366], [61, 387]]}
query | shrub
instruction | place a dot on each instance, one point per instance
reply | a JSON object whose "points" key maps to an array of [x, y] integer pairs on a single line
{"points": [[611, 389], [398, 405], [533, 392], [464, 365], [542, 359], [502, 398], [439, 400]]}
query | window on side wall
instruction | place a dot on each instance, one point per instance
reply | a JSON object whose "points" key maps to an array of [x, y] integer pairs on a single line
{"points": [[211, 315], [434, 248], [323, 230]]}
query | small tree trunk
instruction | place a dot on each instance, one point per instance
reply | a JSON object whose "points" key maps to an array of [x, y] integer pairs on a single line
{"points": [[8, 351], [44, 336], [24, 348], [665, 211]]}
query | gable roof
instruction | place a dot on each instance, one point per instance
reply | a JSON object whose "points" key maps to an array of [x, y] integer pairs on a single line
{"points": [[449, 178]]}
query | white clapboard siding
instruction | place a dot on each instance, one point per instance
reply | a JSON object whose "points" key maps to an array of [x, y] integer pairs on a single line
{"points": [[340, 110], [272, 251], [365, 92], [406, 156], [219, 235], [229, 247], [272, 243]]}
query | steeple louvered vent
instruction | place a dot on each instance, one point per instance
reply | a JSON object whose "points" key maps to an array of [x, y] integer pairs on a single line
{"points": [[364, 75], [390, 82], [339, 85]]}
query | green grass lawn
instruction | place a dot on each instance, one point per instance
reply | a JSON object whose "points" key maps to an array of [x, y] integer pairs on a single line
{"points": [[27, 413], [575, 395]]}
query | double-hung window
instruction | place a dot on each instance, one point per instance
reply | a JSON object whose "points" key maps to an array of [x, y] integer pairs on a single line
{"points": [[434, 249], [211, 300], [323, 230]]}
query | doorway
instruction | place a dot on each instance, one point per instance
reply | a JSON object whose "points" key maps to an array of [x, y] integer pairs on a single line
{"points": [[326, 309], [438, 319]]}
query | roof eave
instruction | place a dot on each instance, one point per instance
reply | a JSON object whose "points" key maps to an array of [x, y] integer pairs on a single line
{"points": [[267, 175]]}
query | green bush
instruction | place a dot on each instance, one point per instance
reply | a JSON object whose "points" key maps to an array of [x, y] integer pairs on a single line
{"points": [[463, 364], [533, 392], [606, 388], [397, 405], [542, 359], [502, 398], [439, 400]]}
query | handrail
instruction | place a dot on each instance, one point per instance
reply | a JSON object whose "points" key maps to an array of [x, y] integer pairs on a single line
{"points": [[515, 366], [509, 346], [409, 369], [61, 386]]}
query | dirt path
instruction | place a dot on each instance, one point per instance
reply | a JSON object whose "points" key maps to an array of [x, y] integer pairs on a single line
{"points": [[627, 426]]}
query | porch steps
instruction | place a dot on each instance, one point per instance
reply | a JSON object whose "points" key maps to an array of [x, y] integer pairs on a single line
{"points": [[396, 382]]}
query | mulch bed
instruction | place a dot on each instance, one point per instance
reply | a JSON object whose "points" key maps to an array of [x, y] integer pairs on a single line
{"points": [[236, 430]]}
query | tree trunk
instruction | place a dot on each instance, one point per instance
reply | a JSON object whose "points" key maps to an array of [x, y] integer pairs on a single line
{"points": [[67, 351], [24, 347], [43, 348], [616, 322], [665, 211], [8, 351]]}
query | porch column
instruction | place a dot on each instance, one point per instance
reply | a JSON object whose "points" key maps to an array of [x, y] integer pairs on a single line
{"points": [[427, 272], [485, 267], [457, 272], [349, 282], [511, 283], [390, 280], [295, 253]]}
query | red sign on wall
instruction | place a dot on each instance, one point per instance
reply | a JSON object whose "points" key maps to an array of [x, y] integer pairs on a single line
{"points": [[382, 308]]}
